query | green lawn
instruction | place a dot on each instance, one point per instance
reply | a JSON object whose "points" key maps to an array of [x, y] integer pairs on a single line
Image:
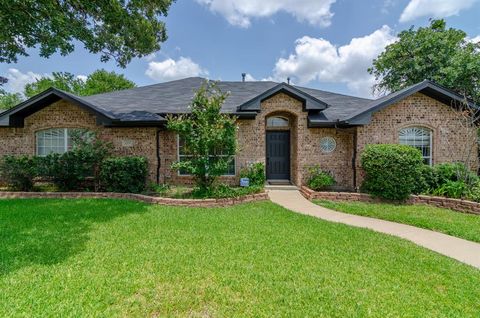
{"points": [[450, 222], [87, 258]]}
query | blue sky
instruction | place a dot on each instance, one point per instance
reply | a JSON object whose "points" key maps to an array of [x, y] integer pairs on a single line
{"points": [[326, 44]]}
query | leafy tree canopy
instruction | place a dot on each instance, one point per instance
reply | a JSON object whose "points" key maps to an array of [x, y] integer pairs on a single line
{"points": [[435, 53], [116, 29], [209, 137], [98, 82]]}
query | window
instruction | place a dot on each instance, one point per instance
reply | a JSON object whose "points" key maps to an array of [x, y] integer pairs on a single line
{"points": [[327, 144], [57, 140], [183, 155], [277, 122], [420, 138]]}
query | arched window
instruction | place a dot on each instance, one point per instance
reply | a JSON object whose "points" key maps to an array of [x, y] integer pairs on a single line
{"points": [[420, 138], [56, 140], [277, 122]]}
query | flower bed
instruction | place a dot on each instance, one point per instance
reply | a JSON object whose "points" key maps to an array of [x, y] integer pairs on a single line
{"points": [[138, 197], [442, 202]]}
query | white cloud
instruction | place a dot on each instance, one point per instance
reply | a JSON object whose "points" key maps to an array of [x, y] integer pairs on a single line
{"points": [[318, 59], [240, 12], [249, 78], [82, 77], [170, 69], [474, 40], [17, 79], [150, 57], [434, 8]]}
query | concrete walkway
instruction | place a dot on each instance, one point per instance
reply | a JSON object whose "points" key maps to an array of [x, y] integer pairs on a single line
{"points": [[462, 250]]}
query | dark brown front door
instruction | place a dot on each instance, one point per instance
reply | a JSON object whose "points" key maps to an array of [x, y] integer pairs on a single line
{"points": [[278, 155]]}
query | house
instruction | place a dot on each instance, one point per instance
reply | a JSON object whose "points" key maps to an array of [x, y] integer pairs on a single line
{"points": [[287, 127]]}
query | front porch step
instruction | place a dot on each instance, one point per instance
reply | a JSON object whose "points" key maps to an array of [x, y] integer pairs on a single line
{"points": [[281, 187]]}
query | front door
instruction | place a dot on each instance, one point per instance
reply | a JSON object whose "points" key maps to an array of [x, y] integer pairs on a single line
{"points": [[278, 155]]}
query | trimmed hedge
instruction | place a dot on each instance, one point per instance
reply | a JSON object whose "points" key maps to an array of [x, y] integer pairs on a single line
{"points": [[19, 172], [124, 174], [391, 170]]}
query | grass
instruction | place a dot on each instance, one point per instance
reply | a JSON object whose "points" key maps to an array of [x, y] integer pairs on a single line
{"points": [[450, 222], [110, 258]]}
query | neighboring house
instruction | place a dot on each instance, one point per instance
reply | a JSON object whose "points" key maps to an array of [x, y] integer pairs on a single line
{"points": [[287, 127]]}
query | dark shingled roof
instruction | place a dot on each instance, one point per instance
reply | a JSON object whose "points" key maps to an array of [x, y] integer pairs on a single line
{"points": [[175, 96], [147, 105]]}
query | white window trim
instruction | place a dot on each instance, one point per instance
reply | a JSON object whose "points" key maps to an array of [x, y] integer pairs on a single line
{"points": [[430, 157], [65, 141], [189, 175]]}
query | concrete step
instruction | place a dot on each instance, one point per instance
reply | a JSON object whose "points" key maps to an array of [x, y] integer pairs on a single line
{"points": [[281, 187]]}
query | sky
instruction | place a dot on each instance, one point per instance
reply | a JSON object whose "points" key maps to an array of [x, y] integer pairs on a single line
{"points": [[324, 44]]}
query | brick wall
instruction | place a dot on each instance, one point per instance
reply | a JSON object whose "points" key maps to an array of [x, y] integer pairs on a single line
{"points": [[126, 141], [450, 136]]}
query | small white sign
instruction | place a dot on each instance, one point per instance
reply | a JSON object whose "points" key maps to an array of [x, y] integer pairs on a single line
{"points": [[244, 182]]}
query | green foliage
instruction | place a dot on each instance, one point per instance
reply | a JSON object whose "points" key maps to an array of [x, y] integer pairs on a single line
{"points": [[98, 82], [19, 172], [451, 189], [319, 179], [224, 191], [427, 180], [454, 172], [435, 53], [124, 174], [209, 136], [121, 30], [61, 80], [71, 170], [102, 81], [391, 170], [255, 173], [9, 100]]}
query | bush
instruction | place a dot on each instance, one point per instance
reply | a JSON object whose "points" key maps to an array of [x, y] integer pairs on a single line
{"points": [[19, 172], [74, 169], [452, 189], [391, 170], [224, 191], [427, 180], [319, 179], [124, 174], [255, 173], [454, 172]]}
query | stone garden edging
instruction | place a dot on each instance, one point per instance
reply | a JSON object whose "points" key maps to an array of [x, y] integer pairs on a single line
{"points": [[442, 202], [137, 197]]}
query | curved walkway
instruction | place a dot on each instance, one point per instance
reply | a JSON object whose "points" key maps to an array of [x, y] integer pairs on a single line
{"points": [[462, 250]]}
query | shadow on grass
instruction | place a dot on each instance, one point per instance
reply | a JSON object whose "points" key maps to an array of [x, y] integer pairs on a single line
{"points": [[45, 232]]}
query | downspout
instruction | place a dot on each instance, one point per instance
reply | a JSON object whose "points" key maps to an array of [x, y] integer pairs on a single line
{"points": [[354, 160], [158, 155]]}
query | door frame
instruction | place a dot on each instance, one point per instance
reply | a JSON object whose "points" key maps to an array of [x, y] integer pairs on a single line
{"points": [[289, 157]]}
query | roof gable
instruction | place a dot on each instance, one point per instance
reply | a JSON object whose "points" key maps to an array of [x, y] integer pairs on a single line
{"points": [[309, 102], [426, 87]]}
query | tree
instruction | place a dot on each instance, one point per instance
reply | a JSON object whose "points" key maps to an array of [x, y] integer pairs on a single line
{"points": [[435, 53], [102, 81], [62, 80], [116, 29], [98, 82], [9, 100], [209, 137]]}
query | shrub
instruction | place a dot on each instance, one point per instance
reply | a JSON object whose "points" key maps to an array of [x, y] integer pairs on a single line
{"points": [[72, 170], [224, 191], [452, 189], [427, 180], [391, 171], [255, 173], [454, 172], [319, 179], [124, 174], [19, 172], [474, 193]]}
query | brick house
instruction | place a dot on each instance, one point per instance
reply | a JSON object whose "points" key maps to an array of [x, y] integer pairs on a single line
{"points": [[287, 127]]}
